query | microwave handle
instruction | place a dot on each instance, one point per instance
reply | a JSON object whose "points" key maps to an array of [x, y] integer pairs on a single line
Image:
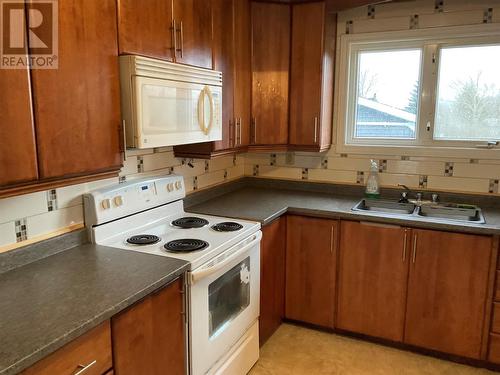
{"points": [[201, 110], [198, 275]]}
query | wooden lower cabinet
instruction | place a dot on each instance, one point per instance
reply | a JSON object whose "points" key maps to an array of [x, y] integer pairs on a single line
{"points": [[149, 337], [373, 272], [310, 270], [92, 350], [447, 291], [272, 278]]}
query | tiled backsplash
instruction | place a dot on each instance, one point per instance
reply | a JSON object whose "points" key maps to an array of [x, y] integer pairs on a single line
{"points": [[34, 216], [433, 174], [31, 217]]}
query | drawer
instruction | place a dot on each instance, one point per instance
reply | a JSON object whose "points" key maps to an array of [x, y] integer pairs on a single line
{"points": [[497, 287], [494, 350], [495, 321], [93, 349]]}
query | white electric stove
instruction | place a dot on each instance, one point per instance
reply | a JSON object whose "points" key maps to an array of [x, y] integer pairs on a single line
{"points": [[224, 255]]}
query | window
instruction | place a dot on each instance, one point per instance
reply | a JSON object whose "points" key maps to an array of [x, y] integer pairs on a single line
{"points": [[420, 89], [387, 90], [468, 100]]}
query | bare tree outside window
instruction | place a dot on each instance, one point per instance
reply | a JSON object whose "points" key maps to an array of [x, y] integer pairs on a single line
{"points": [[469, 108]]}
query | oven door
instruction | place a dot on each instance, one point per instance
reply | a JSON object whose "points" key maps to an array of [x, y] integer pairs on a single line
{"points": [[224, 302]]}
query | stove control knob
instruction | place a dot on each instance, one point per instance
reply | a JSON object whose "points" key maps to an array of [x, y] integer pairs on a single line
{"points": [[106, 204], [170, 187], [118, 201], [178, 185]]}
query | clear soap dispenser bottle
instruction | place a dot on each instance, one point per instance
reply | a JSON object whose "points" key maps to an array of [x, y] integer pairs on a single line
{"points": [[372, 183]]}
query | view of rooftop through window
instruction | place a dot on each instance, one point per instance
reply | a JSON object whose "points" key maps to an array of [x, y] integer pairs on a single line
{"points": [[388, 93]]}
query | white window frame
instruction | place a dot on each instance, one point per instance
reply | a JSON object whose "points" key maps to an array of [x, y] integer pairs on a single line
{"points": [[430, 41]]}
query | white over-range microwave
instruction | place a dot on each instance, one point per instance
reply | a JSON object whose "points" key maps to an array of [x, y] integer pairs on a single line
{"points": [[167, 104]]}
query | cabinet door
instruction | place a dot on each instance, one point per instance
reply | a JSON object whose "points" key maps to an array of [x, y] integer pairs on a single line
{"points": [[149, 337], [144, 28], [270, 73], [272, 278], [194, 32], [90, 354], [77, 106], [17, 137], [223, 48], [306, 73], [243, 72], [447, 291], [310, 270], [373, 273]]}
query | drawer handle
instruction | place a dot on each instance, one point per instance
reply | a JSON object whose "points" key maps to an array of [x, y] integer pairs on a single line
{"points": [[83, 368]]}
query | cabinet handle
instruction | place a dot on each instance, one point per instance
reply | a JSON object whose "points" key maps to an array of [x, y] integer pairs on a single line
{"points": [[414, 257], [239, 131], [174, 38], [124, 140], [331, 239], [254, 130], [404, 245], [83, 368], [182, 40], [231, 133], [315, 129]]}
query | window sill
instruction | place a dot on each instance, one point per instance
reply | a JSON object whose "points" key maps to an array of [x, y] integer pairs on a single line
{"points": [[424, 151]]}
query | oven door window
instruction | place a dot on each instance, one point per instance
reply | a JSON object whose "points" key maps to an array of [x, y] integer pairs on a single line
{"points": [[228, 296]]}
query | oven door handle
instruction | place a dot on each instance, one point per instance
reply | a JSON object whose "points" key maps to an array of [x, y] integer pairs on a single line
{"points": [[204, 272]]}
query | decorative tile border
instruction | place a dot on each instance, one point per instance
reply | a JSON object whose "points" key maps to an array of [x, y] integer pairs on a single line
{"points": [[21, 229], [140, 164], [439, 6], [52, 200], [448, 169], [493, 186], [305, 173]]}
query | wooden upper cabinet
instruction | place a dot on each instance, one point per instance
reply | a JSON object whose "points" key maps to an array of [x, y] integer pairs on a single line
{"points": [[447, 291], [18, 162], [310, 270], [145, 28], [173, 30], [270, 73], [149, 337], [272, 278], [311, 77], [193, 32], [223, 52], [231, 56], [373, 272], [243, 72], [77, 106]]}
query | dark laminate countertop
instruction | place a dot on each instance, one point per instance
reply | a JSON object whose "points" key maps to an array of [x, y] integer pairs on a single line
{"points": [[49, 302], [266, 203]]}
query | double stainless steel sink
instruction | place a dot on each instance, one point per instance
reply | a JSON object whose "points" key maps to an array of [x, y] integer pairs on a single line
{"points": [[442, 212]]}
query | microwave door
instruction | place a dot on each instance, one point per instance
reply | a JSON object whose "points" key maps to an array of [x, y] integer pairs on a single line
{"points": [[173, 113]]}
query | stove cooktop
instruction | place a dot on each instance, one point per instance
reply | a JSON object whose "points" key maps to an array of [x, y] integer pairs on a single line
{"points": [[154, 232]]}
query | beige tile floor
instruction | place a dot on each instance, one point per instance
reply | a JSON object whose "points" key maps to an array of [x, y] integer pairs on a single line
{"points": [[297, 350]]}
